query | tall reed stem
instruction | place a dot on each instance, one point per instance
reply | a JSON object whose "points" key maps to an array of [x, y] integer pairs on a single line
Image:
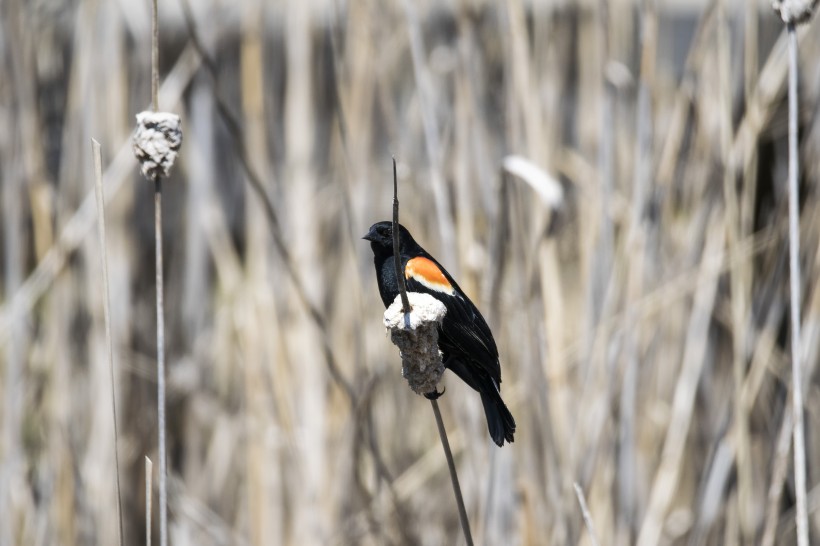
{"points": [[794, 281], [451, 465], [445, 443], [97, 157], [163, 490], [163, 471]]}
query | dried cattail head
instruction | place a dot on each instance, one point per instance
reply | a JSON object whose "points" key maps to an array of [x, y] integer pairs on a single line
{"points": [[794, 11], [417, 339], [157, 139]]}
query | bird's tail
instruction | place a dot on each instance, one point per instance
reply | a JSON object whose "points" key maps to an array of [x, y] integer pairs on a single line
{"points": [[500, 421]]}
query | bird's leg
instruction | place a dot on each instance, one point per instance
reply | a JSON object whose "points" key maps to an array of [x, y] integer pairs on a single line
{"points": [[435, 395]]}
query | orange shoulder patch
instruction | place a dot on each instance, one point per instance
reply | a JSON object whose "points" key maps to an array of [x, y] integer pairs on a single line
{"points": [[428, 273]]}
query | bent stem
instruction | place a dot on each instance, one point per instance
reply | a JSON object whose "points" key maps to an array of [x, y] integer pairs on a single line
{"points": [[445, 443]]}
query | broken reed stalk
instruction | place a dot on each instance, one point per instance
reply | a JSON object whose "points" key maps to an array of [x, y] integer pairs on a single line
{"points": [[445, 443], [794, 281], [593, 537], [97, 157], [163, 486], [149, 466]]}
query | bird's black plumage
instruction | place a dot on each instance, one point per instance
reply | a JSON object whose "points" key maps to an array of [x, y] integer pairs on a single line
{"points": [[465, 340]]}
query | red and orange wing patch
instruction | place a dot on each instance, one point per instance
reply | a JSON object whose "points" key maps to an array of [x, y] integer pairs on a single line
{"points": [[426, 272]]}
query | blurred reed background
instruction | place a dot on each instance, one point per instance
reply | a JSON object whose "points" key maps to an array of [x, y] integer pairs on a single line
{"points": [[641, 313]]}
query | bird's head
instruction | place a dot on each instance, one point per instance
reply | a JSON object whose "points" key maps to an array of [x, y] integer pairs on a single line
{"points": [[380, 236]]}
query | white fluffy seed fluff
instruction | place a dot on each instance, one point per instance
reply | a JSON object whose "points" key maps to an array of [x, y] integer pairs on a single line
{"points": [[157, 139], [794, 11], [417, 340]]}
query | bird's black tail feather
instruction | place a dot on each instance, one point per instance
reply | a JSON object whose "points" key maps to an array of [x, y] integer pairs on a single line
{"points": [[500, 421]]}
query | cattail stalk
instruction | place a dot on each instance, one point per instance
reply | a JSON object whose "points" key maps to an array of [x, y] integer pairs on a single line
{"points": [[163, 471], [794, 281], [445, 443]]}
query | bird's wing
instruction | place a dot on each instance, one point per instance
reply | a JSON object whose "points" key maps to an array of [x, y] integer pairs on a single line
{"points": [[464, 332]]}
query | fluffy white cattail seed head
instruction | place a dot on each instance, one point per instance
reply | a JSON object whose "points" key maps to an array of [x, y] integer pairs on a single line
{"points": [[157, 139], [417, 339], [794, 11]]}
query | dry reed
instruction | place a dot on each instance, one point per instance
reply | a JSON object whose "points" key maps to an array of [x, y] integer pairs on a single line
{"points": [[643, 323]]}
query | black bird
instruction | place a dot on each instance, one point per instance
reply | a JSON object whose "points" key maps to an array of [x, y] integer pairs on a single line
{"points": [[465, 340]]}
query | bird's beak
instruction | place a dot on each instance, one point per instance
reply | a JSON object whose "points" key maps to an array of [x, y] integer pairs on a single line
{"points": [[369, 236]]}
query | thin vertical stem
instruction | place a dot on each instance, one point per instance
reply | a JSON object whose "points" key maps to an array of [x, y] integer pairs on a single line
{"points": [[163, 471], [448, 454], [97, 156], [794, 280], [154, 57], [396, 254], [163, 492], [149, 469]]}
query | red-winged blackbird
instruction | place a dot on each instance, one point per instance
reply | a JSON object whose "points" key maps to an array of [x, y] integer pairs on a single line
{"points": [[465, 340]]}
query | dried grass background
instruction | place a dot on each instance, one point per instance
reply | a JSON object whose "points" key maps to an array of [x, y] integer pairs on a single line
{"points": [[642, 324]]}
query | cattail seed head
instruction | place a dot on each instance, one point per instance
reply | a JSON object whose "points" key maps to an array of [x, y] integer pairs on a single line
{"points": [[157, 139], [794, 11], [417, 339]]}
